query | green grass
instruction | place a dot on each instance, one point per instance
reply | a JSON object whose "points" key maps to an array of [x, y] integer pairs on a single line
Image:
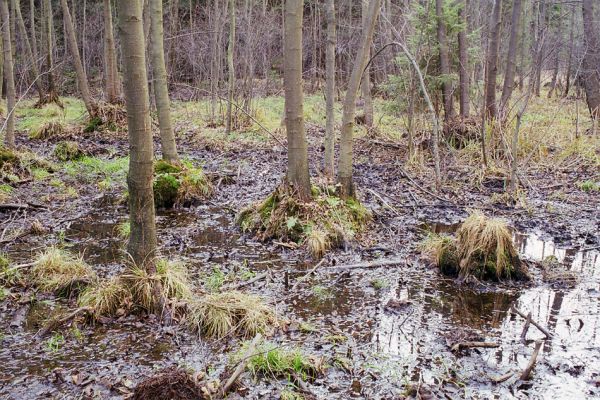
{"points": [[30, 118], [589, 186], [215, 280], [274, 361], [106, 172], [55, 342]]}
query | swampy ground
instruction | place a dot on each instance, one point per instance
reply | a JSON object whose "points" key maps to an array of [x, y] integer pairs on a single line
{"points": [[382, 332]]}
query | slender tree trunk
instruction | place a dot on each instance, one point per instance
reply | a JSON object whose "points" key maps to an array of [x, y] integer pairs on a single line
{"points": [[330, 89], [230, 67], [82, 82], [366, 78], [345, 175], [511, 57], [161, 89], [591, 61], [35, 73], [297, 173], [9, 135], [173, 31], [515, 146], [49, 36], [539, 55], [463, 67], [570, 60], [142, 242], [492, 61], [444, 61], [559, 41], [111, 68], [33, 37]]}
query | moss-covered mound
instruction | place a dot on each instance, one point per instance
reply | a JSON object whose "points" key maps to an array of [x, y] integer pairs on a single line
{"points": [[325, 222], [179, 185], [68, 151], [483, 248], [16, 166]]}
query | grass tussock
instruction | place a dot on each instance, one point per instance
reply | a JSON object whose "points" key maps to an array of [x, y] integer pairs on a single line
{"points": [[56, 270], [179, 185], [106, 297], [219, 314], [483, 247], [48, 130], [320, 224], [273, 361], [16, 166], [68, 151]]}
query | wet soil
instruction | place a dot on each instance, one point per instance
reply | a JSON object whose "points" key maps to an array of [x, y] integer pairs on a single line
{"points": [[385, 332]]}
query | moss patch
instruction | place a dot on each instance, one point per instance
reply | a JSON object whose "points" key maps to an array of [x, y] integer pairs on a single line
{"points": [[325, 222], [68, 151], [179, 185]]}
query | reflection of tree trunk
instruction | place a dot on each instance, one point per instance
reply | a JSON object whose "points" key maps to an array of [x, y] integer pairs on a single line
{"points": [[553, 318]]}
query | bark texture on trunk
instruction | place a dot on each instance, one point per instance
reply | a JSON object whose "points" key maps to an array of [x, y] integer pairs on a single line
{"points": [[492, 61], [230, 67], [591, 60], [9, 76], [570, 59], [297, 173], [161, 89], [142, 242], [49, 36], [113, 84], [330, 89], [511, 57], [35, 73], [366, 78], [463, 67], [82, 81], [349, 107], [444, 60], [33, 37]]}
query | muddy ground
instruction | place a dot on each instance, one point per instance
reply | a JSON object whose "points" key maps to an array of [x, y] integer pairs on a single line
{"points": [[384, 332]]}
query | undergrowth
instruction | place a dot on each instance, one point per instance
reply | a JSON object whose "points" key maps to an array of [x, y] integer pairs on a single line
{"points": [[321, 224], [179, 185], [56, 270]]}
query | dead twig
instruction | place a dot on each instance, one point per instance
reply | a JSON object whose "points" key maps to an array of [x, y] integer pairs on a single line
{"points": [[372, 264], [526, 327], [502, 378], [468, 345], [248, 282], [312, 271], [241, 366], [523, 315], [527, 371], [56, 323]]}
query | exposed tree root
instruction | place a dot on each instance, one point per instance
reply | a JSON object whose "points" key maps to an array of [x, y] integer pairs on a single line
{"points": [[170, 383]]}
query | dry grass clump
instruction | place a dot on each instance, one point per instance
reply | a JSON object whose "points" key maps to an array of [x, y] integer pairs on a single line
{"points": [[219, 314], [179, 185], [106, 297], [47, 130], [273, 361], [483, 248], [320, 224], [58, 271]]}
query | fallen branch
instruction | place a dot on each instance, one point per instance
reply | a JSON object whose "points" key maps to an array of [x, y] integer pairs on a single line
{"points": [[56, 323], [372, 264], [502, 378], [248, 282], [312, 271], [541, 328], [527, 371], [526, 327], [241, 366], [468, 345]]}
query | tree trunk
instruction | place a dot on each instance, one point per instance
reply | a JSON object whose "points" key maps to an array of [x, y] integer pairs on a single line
{"points": [[33, 38], [444, 61], [112, 71], [9, 76], [539, 50], [52, 95], [511, 57], [366, 78], [297, 174], [591, 60], [330, 89], [142, 242], [35, 73], [82, 82], [570, 60], [559, 41], [161, 89], [492, 61], [463, 67], [173, 31], [349, 107], [230, 67]]}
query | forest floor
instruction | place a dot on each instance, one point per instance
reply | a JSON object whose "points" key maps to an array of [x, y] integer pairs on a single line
{"points": [[382, 332]]}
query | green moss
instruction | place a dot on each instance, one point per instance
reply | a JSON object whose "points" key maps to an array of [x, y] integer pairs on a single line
{"points": [[165, 190], [164, 167], [589, 186], [93, 125], [67, 151], [7, 157]]}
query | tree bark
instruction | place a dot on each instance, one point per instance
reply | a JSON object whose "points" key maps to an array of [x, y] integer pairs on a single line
{"points": [[444, 61], [82, 82], [463, 67], [52, 95], [297, 173], [492, 61], [35, 73], [330, 89], [511, 57], [230, 67], [366, 78], [539, 50], [33, 38], [9, 76], [570, 59], [591, 60], [113, 86], [345, 167], [142, 242], [161, 89], [558, 49]]}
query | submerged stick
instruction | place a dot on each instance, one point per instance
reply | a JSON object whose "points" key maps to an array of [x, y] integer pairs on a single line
{"points": [[372, 264], [541, 328], [248, 282], [526, 327], [241, 366], [502, 378], [56, 323], [312, 271], [527, 371], [467, 345]]}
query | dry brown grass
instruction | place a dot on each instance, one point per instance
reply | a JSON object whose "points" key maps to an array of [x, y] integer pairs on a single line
{"points": [[58, 271]]}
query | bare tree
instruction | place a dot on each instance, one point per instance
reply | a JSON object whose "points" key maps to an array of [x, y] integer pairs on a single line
{"points": [[511, 57], [366, 78], [35, 73], [492, 61], [345, 166], [463, 62], [161, 89], [113, 84], [330, 89], [591, 61], [9, 136], [444, 60], [297, 174]]}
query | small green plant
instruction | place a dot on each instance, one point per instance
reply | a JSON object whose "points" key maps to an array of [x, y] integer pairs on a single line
{"points": [[8, 276], [67, 151], [589, 186], [55, 342], [322, 293], [379, 284], [272, 360], [246, 274], [290, 395], [124, 230], [215, 280], [77, 334]]}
